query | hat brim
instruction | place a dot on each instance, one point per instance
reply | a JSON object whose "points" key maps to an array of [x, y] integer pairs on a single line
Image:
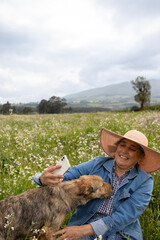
{"points": [[108, 141]]}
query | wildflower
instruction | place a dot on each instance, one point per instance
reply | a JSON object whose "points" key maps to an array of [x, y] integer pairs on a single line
{"points": [[34, 238], [36, 231], [99, 238]]}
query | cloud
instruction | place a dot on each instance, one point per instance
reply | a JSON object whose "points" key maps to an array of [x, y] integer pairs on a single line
{"points": [[61, 47]]}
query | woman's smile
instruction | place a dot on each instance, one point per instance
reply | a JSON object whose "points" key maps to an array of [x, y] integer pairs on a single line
{"points": [[123, 157]]}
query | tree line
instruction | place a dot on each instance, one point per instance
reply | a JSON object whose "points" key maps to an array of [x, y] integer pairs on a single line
{"points": [[59, 105], [53, 105]]}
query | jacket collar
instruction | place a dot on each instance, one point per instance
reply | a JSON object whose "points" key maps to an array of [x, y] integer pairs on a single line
{"points": [[108, 165], [134, 172]]}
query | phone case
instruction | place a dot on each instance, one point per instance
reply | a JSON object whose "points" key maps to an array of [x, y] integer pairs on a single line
{"points": [[65, 165]]}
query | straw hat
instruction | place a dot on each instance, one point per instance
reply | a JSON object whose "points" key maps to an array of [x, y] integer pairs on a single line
{"points": [[151, 160]]}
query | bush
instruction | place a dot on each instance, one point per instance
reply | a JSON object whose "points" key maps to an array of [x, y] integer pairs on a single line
{"points": [[135, 108]]}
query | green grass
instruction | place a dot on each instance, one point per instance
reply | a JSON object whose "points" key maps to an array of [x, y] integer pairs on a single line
{"points": [[29, 143]]}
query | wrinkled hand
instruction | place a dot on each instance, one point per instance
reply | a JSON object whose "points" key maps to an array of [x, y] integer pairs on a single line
{"points": [[74, 232], [49, 178]]}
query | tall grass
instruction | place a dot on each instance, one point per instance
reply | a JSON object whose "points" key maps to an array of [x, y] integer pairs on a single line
{"points": [[31, 143]]}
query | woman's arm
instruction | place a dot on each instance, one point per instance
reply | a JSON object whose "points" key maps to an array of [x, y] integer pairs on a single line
{"points": [[47, 177]]}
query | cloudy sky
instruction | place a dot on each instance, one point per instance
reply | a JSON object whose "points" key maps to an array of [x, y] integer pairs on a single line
{"points": [[60, 47]]}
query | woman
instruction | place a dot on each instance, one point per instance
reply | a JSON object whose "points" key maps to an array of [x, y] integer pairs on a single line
{"points": [[126, 168]]}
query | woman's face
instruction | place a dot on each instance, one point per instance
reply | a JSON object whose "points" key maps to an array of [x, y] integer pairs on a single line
{"points": [[127, 155]]}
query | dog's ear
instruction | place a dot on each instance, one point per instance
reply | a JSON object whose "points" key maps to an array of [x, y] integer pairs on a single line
{"points": [[85, 190]]}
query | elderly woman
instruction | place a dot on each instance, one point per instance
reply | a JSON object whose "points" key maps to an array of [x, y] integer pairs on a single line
{"points": [[126, 169]]}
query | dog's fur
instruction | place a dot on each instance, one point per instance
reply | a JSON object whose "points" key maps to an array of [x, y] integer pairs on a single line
{"points": [[47, 206]]}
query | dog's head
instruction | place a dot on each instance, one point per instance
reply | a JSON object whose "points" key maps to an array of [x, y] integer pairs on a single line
{"points": [[92, 186]]}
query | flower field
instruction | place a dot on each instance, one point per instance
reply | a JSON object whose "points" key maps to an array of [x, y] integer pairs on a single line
{"points": [[30, 143]]}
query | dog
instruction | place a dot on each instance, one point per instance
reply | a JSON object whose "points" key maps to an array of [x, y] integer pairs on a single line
{"points": [[25, 214]]}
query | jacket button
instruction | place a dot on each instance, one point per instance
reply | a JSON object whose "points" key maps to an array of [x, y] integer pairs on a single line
{"points": [[92, 212]]}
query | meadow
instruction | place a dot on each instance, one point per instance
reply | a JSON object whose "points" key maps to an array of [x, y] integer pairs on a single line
{"points": [[30, 143]]}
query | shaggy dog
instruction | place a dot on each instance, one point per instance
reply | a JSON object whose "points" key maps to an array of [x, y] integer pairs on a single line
{"points": [[23, 215]]}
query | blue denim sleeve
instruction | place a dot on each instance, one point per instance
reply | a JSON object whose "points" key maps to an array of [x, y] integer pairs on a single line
{"points": [[99, 227], [36, 179]]}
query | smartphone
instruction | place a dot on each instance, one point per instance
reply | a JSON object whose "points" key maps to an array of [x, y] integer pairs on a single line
{"points": [[65, 165]]}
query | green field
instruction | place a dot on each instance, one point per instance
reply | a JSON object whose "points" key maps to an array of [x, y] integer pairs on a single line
{"points": [[30, 143]]}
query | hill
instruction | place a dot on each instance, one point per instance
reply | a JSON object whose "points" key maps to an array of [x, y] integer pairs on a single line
{"points": [[114, 96]]}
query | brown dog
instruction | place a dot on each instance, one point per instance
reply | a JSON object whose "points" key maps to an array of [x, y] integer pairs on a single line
{"points": [[25, 214]]}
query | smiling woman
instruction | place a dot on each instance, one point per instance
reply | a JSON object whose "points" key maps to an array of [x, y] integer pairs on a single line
{"points": [[126, 169]]}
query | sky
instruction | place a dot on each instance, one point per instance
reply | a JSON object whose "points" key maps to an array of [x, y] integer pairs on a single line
{"points": [[61, 47]]}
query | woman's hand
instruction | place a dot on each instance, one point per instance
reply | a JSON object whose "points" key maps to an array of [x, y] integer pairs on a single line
{"points": [[74, 232], [49, 178]]}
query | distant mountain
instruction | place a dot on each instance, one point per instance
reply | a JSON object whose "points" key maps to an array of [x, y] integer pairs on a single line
{"points": [[115, 96]]}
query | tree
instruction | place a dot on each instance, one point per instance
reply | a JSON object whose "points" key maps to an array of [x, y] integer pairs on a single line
{"points": [[56, 104], [42, 107], [5, 108], [142, 87], [27, 110], [53, 105]]}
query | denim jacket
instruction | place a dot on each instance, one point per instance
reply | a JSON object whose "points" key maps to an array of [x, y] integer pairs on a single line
{"points": [[129, 202]]}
